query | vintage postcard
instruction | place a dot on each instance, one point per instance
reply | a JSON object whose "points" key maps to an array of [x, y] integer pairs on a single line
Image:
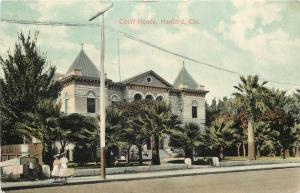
{"points": [[150, 96]]}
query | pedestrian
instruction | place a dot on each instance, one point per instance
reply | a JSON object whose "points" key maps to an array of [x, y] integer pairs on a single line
{"points": [[63, 172], [56, 167]]}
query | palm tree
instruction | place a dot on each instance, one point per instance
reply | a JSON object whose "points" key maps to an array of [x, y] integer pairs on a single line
{"points": [[158, 119], [116, 125], [252, 97], [187, 138], [116, 122], [87, 141], [84, 134], [39, 125], [220, 135]]}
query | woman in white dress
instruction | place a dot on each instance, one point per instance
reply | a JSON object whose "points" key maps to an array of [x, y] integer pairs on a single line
{"points": [[63, 172], [56, 167]]}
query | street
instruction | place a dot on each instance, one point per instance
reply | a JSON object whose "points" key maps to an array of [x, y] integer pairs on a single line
{"points": [[263, 181]]}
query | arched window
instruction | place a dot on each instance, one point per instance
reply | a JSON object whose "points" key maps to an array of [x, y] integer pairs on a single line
{"points": [[91, 102], [194, 109], [66, 102], [149, 97], [159, 98], [137, 97], [115, 99]]}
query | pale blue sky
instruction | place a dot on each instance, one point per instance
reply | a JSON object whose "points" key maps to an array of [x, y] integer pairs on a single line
{"points": [[245, 36]]}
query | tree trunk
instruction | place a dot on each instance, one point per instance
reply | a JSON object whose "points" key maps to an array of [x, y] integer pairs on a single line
{"points": [[221, 153], [189, 154], [238, 149], [155, 150], [257, 151], [108, 157], [244, 150], [140, 148], [128, 154], [92, 155], [63, 147], [282, 153], [251, 142], [286, 153], [297, 152]]}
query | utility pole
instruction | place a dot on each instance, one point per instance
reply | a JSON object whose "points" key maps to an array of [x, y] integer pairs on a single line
{"points": [[102, 90]]}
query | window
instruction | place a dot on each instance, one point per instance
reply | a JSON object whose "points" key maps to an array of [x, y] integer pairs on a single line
{"points": [[91, 102], [137, 97], [66, 102], [149, 97], [194, 109], [114, 99], [149, 79], [159, 98]]}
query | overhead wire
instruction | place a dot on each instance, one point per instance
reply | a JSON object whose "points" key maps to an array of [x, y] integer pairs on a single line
{"points": [[142, 41]]}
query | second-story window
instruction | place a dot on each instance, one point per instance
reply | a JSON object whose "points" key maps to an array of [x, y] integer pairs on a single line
{"points": [[194, 109], [91, 102], [66, 102]]}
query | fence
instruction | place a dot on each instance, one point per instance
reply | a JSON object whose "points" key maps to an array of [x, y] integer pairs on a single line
{"points": [[14, 151]]}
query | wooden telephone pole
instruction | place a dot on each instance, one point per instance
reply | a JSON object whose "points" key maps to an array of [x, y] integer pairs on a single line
{"points": [[102, 90]]}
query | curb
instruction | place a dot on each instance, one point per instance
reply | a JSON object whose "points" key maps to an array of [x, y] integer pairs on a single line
{"points": [[93, 181]]}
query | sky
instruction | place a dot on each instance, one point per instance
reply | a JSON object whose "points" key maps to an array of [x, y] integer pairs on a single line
{"points": [[250, 37]]}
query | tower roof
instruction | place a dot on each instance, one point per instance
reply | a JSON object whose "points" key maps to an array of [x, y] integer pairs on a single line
{"points": [[83, 63], [185, 80]]}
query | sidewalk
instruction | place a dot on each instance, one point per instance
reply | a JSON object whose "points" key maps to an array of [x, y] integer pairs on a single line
{"points": [[146, 175]]}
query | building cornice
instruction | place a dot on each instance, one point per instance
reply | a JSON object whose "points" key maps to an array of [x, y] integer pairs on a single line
{"points": [[89, 81], [147, 88], [189, 92]]}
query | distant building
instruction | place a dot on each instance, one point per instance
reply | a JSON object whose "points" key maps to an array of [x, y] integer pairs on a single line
{"points": [[80, 92]]}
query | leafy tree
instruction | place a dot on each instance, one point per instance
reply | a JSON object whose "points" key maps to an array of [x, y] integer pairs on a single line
{"points": [[253, 99], [240, 124], [213, 111], [187, 138], [219, 136], [135, 134], [266, 138], [296, 138], [28, 79], [282, 118]]}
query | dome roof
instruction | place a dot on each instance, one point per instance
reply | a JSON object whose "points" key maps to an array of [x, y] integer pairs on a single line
{"points": [[83, 63]]}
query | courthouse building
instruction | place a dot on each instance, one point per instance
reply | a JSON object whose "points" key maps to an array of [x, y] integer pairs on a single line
{"points": [[80, 91]]}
